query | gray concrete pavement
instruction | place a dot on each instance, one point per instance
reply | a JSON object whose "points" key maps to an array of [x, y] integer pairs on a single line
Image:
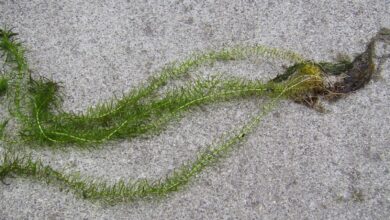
{"points": [[298, 164]]}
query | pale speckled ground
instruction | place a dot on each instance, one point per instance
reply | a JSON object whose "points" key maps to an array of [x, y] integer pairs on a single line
{"points": [[298, 164]]}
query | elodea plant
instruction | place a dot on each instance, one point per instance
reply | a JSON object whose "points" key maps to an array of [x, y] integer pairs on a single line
{"points": [[34, 104]]}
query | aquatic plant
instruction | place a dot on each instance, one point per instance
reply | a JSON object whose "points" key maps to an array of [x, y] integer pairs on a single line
{"points": [[35, 103]]}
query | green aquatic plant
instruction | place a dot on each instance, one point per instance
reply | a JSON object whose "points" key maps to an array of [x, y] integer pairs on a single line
{"points": [[35, 102]]}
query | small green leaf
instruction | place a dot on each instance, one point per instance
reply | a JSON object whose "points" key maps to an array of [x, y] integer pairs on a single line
{"points": [[2, 127], [3, 85]]}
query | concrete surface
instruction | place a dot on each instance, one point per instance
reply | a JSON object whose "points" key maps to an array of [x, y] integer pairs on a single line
{"points": [[299, 164]]}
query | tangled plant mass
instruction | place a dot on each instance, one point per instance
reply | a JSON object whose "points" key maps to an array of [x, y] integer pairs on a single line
{"points": [[35, 106]]}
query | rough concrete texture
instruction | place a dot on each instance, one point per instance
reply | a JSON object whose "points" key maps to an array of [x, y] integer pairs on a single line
{"points": [[298, 164]]}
